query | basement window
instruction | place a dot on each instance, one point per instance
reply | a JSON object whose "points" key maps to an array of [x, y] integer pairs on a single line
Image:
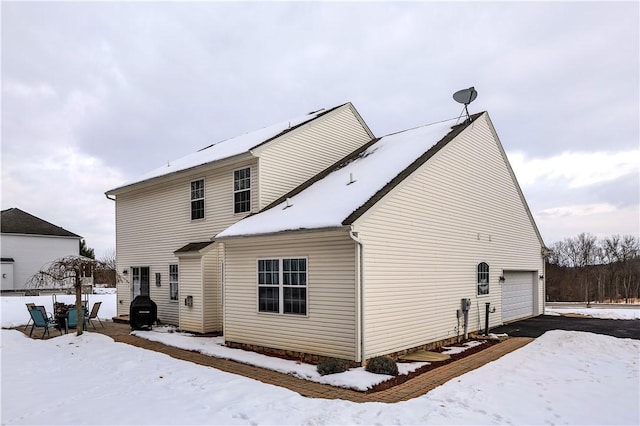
{"points": [[483, 279]]}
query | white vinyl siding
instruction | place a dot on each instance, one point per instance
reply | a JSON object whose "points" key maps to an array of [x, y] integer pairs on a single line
{"points": [[212, 290], [424, 240], [307, 151], [328, 329], [31, 252], [153, 218], [191, 285], [153, 222]]}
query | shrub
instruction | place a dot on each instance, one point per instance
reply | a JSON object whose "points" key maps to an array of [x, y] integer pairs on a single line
{"points": [[382, 365], [332, 366]]}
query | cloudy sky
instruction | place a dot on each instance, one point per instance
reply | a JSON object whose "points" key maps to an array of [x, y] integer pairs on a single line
{"points": [[95, 94]]}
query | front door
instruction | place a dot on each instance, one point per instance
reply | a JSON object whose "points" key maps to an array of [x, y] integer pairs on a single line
{"points": [[140, 275]]}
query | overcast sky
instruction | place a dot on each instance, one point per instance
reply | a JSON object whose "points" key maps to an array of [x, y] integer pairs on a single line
{"points": [[95, 94]]}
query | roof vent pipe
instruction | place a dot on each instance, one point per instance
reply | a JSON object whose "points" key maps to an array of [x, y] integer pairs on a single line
{"points": [[351, 179]]}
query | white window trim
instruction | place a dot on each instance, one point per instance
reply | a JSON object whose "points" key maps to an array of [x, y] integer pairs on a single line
{"points": [[204, 201], [488, 280], [233, 190], [281, 287]]}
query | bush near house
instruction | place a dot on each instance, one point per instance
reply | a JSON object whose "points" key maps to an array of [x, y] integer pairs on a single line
{"points": [[332, 366], [382, 365]]}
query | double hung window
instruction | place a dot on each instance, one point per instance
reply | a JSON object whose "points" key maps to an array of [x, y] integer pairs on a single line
{"points": [[197, 199], [173, 282], [282, 286], [242, 190]]}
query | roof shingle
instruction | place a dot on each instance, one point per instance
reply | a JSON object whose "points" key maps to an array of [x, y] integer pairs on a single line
{"points": [[16, 221]]}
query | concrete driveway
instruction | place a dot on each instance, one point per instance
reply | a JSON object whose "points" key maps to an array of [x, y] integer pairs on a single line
{"points": [[537, 326]]}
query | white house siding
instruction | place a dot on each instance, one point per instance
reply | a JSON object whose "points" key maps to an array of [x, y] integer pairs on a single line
{"points": [[155, 220], [191, 275], [422, 243], [31, 252], [329, 329], [212, 290], [308, 150]]}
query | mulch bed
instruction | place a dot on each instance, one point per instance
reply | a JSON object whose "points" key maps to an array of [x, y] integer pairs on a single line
{"points": [[431, 366]]}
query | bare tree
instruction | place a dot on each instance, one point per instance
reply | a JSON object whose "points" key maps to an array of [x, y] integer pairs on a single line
{"points": [[629, 250], [70, 268], [613, 263], [109, 258], [108, 273]]}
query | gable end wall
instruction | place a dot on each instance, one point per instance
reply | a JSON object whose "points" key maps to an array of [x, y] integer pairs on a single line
{"points": [[313, 147], [422, 243]]}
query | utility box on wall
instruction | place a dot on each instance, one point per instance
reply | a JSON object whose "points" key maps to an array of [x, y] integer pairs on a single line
{"points": [[465, 304], [188, 301]]}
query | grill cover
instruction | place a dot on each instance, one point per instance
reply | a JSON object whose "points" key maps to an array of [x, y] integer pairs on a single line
{"points": [[143, 313]]}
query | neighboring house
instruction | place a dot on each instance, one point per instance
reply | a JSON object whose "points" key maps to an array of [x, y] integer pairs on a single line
{"points": [[374, 255], [28, 243], [165, 220]]}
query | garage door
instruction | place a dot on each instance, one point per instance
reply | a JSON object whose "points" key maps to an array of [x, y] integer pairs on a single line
{"points": [[517, 295]]}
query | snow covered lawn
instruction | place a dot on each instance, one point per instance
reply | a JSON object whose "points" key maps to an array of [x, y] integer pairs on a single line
{"points": [[595, 312], [562, 377]]}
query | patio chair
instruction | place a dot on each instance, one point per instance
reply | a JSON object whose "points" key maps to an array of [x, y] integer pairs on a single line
{"points": [[29, 306], [40, 320], [94, 314], [72, 319], [46, 315]]}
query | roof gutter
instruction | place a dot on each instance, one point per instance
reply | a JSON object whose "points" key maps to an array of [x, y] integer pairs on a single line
{"points": [[109, 198], [361, 344]]}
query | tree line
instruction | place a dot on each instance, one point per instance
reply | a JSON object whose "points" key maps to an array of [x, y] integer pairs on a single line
{"points": [[587, 269]]}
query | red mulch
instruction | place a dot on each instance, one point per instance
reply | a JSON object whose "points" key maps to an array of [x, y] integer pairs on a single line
{"points": [[431, 366]]}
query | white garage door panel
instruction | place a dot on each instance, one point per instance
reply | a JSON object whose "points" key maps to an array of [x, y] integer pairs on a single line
{"points": [[517, 295]]}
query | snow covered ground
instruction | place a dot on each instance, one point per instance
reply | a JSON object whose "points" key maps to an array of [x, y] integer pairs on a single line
{"points": [[595, 312], [561, 378]]}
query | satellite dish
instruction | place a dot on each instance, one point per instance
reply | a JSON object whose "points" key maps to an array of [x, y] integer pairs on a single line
{"points": [[466, 96]]}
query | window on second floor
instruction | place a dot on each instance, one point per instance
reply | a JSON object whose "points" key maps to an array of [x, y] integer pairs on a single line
{"points": [[242, 190], [197, 199]]}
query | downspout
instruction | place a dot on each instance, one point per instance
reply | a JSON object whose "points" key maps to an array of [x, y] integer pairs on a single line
{"points": [[354, 236]]}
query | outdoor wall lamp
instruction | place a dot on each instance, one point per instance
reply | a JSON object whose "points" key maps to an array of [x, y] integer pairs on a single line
{"points": [[125, 271], [541, 277], [501, 279]]}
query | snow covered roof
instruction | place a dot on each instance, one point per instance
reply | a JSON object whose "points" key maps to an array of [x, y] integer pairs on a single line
{"points": [[342, 193], [228, 148]]}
